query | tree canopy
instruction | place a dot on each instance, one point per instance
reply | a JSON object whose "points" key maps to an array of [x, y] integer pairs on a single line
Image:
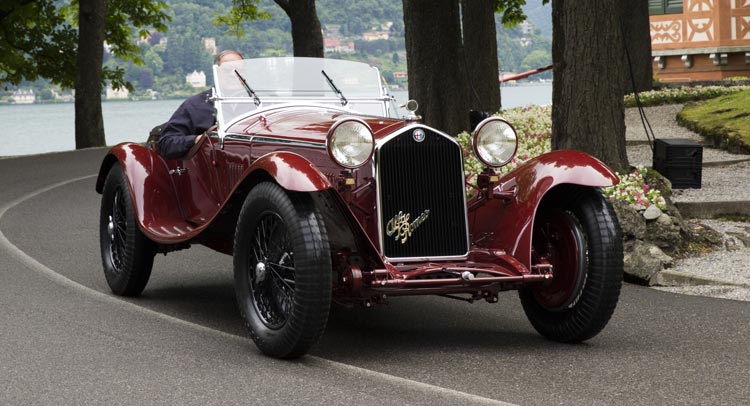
{"points": [[36, 41], [39, 38]]}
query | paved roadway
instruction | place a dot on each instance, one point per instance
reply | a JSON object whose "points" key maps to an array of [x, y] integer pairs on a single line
{"points": [[65, 340]]}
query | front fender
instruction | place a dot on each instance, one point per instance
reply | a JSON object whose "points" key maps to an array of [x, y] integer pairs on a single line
{"points": [[510, 225], [151, 190], [292, 172]]}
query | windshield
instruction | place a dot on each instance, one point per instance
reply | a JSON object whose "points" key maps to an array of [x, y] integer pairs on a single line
{"points": [[270, 81]]}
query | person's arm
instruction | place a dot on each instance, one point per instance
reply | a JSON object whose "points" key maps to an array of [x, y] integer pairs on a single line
{"points": [[178, 135]]}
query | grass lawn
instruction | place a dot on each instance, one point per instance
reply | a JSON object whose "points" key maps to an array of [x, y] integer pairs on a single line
{"points": [[725, 120]]}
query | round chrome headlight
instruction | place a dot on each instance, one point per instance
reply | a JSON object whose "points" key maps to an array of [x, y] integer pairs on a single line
{"points": [[350, 143], [495, 142]]}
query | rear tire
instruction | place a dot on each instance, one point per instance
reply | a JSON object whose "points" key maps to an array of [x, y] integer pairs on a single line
{"points": [[580, 236], [282, 271], [127, 254]]}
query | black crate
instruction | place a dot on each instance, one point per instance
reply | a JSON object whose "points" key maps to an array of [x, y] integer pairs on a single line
{"points": [[680, 160]]}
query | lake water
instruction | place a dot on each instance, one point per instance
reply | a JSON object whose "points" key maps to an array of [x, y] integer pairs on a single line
{"points": [[40, 128]]}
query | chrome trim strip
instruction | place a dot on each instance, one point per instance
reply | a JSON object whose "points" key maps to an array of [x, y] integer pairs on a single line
{"points": [[292, 107], [376, 170], [280, 141]]}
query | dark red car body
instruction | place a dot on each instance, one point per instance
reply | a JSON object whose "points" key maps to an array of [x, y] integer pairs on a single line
{"points": [[178, 203]]}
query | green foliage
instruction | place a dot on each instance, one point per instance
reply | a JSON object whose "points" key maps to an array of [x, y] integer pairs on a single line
{"points": [[512, 11], [241, 12], [536, 59], [36, 42], [513, 54], [127, 19], [162, 66], [40, 38], [679, 95]]}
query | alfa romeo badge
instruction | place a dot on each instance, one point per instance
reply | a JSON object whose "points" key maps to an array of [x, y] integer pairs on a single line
{"points": [[418, 135]]}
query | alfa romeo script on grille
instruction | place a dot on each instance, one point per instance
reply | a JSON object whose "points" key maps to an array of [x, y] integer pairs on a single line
{"points": [[400, 227]]}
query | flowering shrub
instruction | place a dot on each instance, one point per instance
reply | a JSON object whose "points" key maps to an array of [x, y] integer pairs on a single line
{"points": [[681, 95], [634, 190], [534, 127]]}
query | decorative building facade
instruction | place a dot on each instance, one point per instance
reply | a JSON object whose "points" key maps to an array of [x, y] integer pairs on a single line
{"points": [[697, 40]]}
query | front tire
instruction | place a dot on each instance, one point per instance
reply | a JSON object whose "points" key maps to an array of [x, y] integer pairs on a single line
{"points": [[127, 254], [580, 236], [282, 271]]}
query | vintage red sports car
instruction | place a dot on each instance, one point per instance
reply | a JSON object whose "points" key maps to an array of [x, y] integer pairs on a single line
{"points": [[323, 195]]}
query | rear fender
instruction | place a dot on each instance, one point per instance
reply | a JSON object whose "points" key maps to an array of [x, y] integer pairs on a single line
{"points": [[291, 171], [151, 190], [509, 224]]}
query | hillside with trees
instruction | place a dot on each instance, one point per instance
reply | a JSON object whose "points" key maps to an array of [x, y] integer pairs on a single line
{"points": [[364, 30]]}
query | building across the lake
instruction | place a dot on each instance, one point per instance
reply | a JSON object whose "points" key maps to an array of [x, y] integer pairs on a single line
{"points": [[196, 79], [697, 40], [116, 94], [21, 96]]}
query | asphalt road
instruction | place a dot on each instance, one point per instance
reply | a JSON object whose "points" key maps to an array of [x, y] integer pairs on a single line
{"points": [[64, 339]]}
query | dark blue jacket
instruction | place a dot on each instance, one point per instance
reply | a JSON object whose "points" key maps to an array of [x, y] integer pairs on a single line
{"points": [[194, 116]]}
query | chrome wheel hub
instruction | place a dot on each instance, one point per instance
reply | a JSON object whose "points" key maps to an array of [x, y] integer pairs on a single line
{"points": [[111, 229], [260, 272]]}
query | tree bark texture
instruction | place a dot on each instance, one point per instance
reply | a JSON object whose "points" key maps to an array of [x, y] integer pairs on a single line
{"points": [[637, 31], [434, 55], [480, 45], [89, 124], [307, 36], [587, 104]]}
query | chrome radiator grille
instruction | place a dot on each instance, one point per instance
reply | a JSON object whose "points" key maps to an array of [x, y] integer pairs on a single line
{"points": [[421, 190]]}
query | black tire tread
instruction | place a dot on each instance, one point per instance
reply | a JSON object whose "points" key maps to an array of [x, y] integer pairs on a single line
{"points": [[312, 298], [139, 251], [601, 293]]}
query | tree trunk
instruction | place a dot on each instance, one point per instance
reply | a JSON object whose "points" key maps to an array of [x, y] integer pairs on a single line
{"points": [[480, 45], [587, 104], [89, 124], [637, 31], [307, 36], [437, 78]]}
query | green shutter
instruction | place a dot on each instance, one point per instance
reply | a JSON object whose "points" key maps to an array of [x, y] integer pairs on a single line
{"points": [[658, 7], [673, 7], [655, 7]]}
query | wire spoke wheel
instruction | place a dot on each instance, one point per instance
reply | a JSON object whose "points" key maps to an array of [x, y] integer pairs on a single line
{"points": [[272, 275], [282, 270], [117, 229], [127, 254]]}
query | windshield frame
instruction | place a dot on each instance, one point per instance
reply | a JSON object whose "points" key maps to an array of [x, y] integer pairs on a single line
{"points": [[290, 81]]}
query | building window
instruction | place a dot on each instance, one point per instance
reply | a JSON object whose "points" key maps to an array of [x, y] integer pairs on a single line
{"points": [[657, 7]]}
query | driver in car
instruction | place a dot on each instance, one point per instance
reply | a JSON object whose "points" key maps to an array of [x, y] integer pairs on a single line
{"points": [[190, 121]]}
